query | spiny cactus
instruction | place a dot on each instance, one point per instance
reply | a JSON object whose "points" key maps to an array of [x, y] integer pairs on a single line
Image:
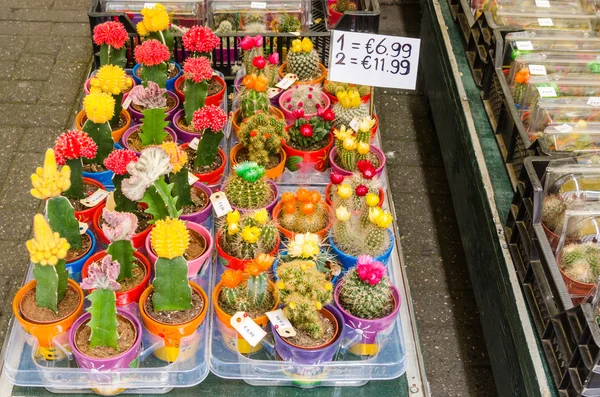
{"points": [[288, 23], [303, 60], [252, 47], [254, 99], [553, 212], [356, 191], [247, 188], [333, 87], [303, 212], [374, 238], [365, 291], [304, 291], [262, 135], [308, 134], [309, 98], [354, 147], [349, 107], [345, 5], [581, 262], [309, 246], [245, 236]]}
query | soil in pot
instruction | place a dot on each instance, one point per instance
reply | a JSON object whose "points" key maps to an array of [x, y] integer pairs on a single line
{"points": [[76, 254], [127, 337], [135, 143], [302, 339], [175, 316], [36, 314], [274, 159], [170, 105], [138, 272], [372, 158], [94, 168], [197, 246], [200, 200], [205, 169], [214, 87], [267, 304], [315, 146], [171, 71], [88, 189]]}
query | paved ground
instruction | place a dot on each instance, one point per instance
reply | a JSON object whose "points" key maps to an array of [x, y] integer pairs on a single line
{"points": [[44, 55]]}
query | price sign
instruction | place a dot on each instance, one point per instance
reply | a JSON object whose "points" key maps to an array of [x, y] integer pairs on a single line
{"points": [[542, 3], [521, 45], [593, 101], [374, 59], [545, 22], [539, 70]]}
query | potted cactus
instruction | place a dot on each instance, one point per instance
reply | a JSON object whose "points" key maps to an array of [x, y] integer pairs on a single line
{"points": [[355, 191], [247, 189], [149, 98], [349, 107], [303, 61], [309, 246], [153, 64], [251, 292], [553, 216], [351, 149], [94, 119], [303, 212], [331, 88], [578, 264], [252, 47], [114, 81], [305, 292], [111, 36], [307, 99], [337, 8], [368, 301], [172, 307], [242, 237], [49, 305], [155, 24]]}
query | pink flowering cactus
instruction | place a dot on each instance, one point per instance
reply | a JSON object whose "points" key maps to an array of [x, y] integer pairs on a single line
{"points": [[118, 226], [103, 275], [369, 270], [248, 42]]}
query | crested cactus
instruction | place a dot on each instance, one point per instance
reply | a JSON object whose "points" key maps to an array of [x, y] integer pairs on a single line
{"points": [[349, 107], [308, 98], [303, 60], [374, 238], [333, 87], [247, 187], [303, 212], [119, 228], [581, 261], [262, 135]]}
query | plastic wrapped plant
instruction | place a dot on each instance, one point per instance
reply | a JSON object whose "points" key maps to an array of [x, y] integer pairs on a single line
{"points": [[357, 190], [303, 212], [247, 187], [520, 84], [307, 98], [374, 238], [253, 47], [333, 87], [119, 228], [200, 41], [245, 236], [581, 262], [287, 23], [210, 121], [197, 72], [153, 56], [254, 98], [348, 108], [303, 60], [112, 80], [342, 6], [70, 148], [262, 135], [99, 109], [153, 100], [310, 135], [353, 147], [253, 22], [308, 246], [117, 162], [111, 36], [155, 25], [553, 210]]}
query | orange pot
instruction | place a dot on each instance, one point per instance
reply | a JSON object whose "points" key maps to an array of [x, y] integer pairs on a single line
{"points": [[172, 334], [45, 333], [290, 235], [319, 80], [272, 173], [116, 134], [236, 118], [233, 340]]}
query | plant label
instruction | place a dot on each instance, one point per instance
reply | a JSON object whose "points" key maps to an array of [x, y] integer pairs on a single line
{"points": [[127, 102], [110, 201], [95, 198], [149, 5], [354, 124], [83, 227], [272, 91], [287, 81], [524, 45], [373, 59], [194, 144], [538, 70], [192, 178], [594, 101], [545, 22], [547, 92], [563, 128], [261, 5], [281, 324], [247, 328], [542, 3], [220, 204]]}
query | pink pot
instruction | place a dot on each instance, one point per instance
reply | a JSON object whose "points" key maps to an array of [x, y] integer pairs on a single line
{"points": [[337, 169], [289, 118], [132, 129], [202, 215]]}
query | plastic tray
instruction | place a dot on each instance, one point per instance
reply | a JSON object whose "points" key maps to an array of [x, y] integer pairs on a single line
{"points": [[545, 19], [183, 13]]}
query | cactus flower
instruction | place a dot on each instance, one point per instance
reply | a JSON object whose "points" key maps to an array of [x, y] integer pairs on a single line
{"points": [[250, 234], [366, 124], [233, 217], [342, 213], [169, 238], [363, 148], [342, 133], [306, 44], [99, 107], [232, 278], [350, 143], [48, 181], [233, 228], [178, 157], [274, 58], [369, 270], [47, 247], [344, 191], [261, 216], [372, 199]]}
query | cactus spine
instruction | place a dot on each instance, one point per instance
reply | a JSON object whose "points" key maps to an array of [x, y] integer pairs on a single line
{"points": [[253, 102], [303, 212], [248, 235], [306, 97], [262, 134], [247, 188], [303, 60], [363, 299]]}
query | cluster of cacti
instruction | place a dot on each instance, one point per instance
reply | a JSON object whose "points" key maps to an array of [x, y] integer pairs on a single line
{"points": [[99, 109], [119, 228], [333, 87], [308, 98], [356, 192], [348, 108], [309, 133], [581, 261], [345, 5], [253, 47], [303, 60], [245, 236], [254, 98], [247, 187], [374, 236], [288, 23], [308, 246], [303, 212], [262, 135], [365, 291], [154, 102], [354, 147], [304, 291]]}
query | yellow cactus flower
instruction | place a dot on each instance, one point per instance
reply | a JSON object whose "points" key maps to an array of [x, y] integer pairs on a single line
{"points": [[372, 199], [328, 287], [48, 181], [374, 213], [350, 143], [47, 247], [581, 124], [250, 234], [344, 191], [233, 228], [363, 148], [292, 305], [297, 45], [169, 238], [261, 216], [342, 133], [342, 214], [366, 124], [155, 19], [177, 156], [310, 249], [110, 79], [318, 305], [349, 98], [384, 220], [99, 107], [307, 45], [233, 217], [280, 284]]}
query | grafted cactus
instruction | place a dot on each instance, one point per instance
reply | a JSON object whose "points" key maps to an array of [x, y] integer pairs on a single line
{"points": [[119, 228], [154, 101], [70, 148], [247, 187], [117, 162], [111, 36], [99, 108]]}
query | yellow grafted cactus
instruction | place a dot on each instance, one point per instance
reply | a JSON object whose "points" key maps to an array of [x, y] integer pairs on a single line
{"points": [[47, 247], [177, 156], [110, 79], [155, 19], [48, 181], [169, 238], [99, 107]]}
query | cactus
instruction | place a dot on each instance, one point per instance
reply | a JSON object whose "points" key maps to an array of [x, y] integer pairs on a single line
{"points": [[99, 109], [247, 188], [354, 147], [309, 246], [111, 36], [303, 60], [153, 56], [253, 102], [119, 228], [210, 120], [288, 23], [374, 238], [553, 212], [154, 102], [304, 291], [197, 74], [345, 5], [349, 107], [155, 25], [179, 175], [333, 87], [581, 262], [69, 149], [305, 97], [224, 29], [112, 80], [357, 192], [308, 134], [252, 47], [117, 162], [262, 134], [365, 291], [303, 212]]}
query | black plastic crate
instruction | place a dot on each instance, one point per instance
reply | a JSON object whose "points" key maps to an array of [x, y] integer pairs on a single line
{"points": [[463, 16]]}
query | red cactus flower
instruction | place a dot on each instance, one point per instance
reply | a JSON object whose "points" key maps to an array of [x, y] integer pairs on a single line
{"points": [[197, 69], [306, 130], [152, 53], [200, 39], [253, 133], [328, 115], [110, 33], [74, 145], [209, 117], [118, 160], [298, 113], [259, 62], [336, 178], [361, 190], [366, 168]]}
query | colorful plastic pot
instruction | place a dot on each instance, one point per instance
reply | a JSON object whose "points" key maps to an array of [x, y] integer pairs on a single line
{"points": [[328, 195], [234, 263], [289, 234], [347, 261], [86, 87], [138, 239], [131, 295], [137, 116], [75, 267], [194, 265], [289, 117], [213, 177], [236, 121], [171, 334], [272, 173], [318, 158], [315, 355], [201, 216], [232, 339], [81, 118], [215, 99], [318, 81], [45, 333], [334, 16], [136, 127], [170, 82], [339, 170], [368, 329], [269, 207], [86, 215]]}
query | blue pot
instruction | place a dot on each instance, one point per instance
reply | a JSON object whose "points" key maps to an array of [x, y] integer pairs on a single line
{"points": [[170, 82], [347, 261], [104, 177], [276, 261], [75, 267]]}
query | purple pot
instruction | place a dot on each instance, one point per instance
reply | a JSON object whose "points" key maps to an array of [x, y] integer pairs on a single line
{"points": [[269, 207], [126, 359], [137, 127], [289, 117], [368, 328], [335, 168], [184, 136], [301, 356], [200, 216], [136, 117]]}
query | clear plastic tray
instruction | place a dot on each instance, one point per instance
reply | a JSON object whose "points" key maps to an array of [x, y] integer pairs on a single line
{"points": [[545, 87], [549, 63], [543, 19], [553, 6], [183, 13], [567, 137], [561, 110]]}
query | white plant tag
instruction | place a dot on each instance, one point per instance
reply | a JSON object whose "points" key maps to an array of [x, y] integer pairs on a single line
{"points": [[547, 92], [192, 178], [110, 202], [272, 91], [194, 143], [261, 5], [539, 70], [247, 328], [220, 204], [563, 128], [281, 324], [545, 22], [354, 124], [127, 102], [95, 198], [83, 227], [287, 81], [542, 3], [149, 5], [524, 45], [594, 101]]}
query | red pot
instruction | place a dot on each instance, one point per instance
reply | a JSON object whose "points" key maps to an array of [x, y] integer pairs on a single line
{"points": [[231, 262], [328, 191], [317, 157], [87, 214], [210, 100], [213, 177], [138, 240], [334, 16], [131, 295]]}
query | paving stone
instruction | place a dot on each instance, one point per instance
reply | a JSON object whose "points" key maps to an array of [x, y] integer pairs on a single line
{"points": [[17, 260], [25, 115], [418, 179], [71, 4], [408, 152], [11, 47], [400, 21], [53, 15], [7, 68], [20, 91], [75, 49], [10, 138], [71, 29], [37, 140], [15, 223], [27, 4], [21, 28], [43, 45], [404, 117], [15, 191], [34, 67], [65, 83]]}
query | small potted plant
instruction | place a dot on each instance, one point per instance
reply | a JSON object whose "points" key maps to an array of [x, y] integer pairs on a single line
{"points": [[355, 191], [303, 212], [155, 24], [134, 268], [250, 292], [106, 337], [553, 216], [368, 301], [261, 138], [350, 148], [337, 8], [309, 246], [308, 99], [305, 292], [49, 305], [242, 237], [247, 189], [349, 107], [286, 23], [111, 36], [331, 88], [148, 98], [578, 264], [310, 140], [172, 308], [268, 69], [153, 64], [303, 61], [252, 47], [114, 81], [98, 110], [154, 129]]}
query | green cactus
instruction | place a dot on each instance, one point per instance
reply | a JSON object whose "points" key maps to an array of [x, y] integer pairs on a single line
{"points": [[247, 188], [102, 136], [252, 295], [363, 299], [305, 65], [289, 23], [181, 188], [235, 240], [253, 102], [195, 97], [581, 261], [374, 238], [153, 126], [171, 275], [122, 203], [156, 73], [306, 97], [355, 203], [262, 135], [62, 220], [333, 87], [343, 115], [345, 5], [305, 213]]}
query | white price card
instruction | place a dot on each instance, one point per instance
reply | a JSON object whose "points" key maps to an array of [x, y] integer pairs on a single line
{"points": [[247, 328], [594, 101], [194, 144], [547, 92], [220, 204], [374, 59], [542, 3], [95, 198], [521, 45], [149, 5], [83, 227], [192, 178], [354, 124], [281, 324], [287, 81], [545, 22], [563, 128], [261, 5], [537, 70], [273, 91]]}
